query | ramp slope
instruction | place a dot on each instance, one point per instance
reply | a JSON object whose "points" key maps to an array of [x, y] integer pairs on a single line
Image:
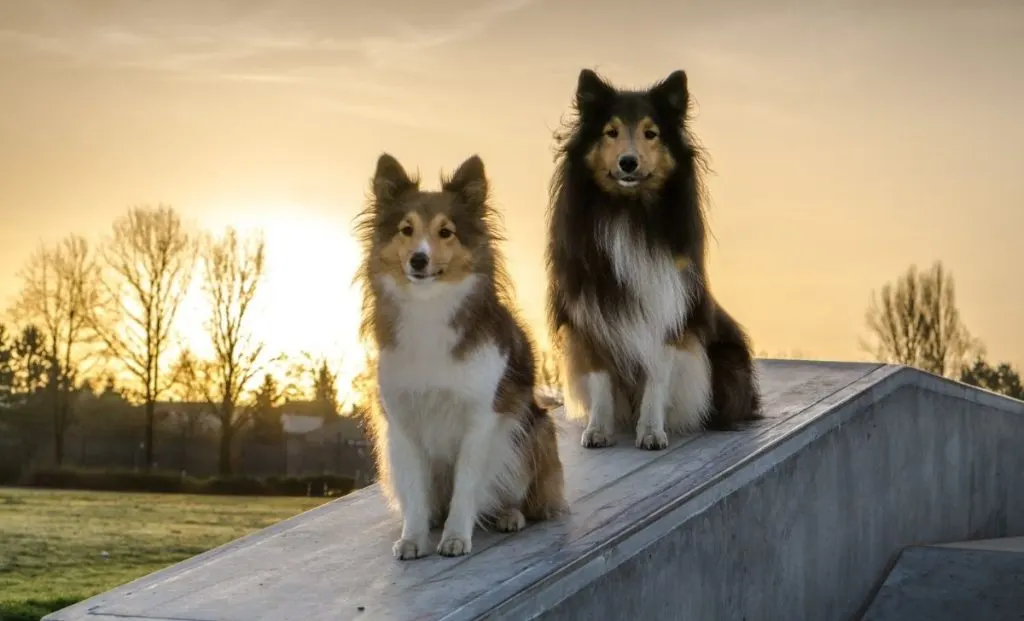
{"points": [[798, 517]]}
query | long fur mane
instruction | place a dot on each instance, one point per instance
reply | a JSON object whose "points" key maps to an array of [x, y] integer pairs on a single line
{"points": [[678, 219]]}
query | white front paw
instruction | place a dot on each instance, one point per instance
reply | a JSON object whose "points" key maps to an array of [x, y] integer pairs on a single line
{"points": [[407, 549], [453, 545], [596, 437], [510, 521], [651, 439]]}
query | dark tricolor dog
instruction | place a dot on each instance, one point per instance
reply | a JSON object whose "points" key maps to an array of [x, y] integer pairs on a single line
{"points": [[643, 340]]}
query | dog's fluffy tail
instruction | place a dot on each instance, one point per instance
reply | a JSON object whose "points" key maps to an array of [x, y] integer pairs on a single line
{"points": [[545, 498], [734, 388]]}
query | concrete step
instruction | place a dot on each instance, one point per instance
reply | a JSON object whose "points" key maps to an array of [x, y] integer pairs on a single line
{"points": [[965, 581]]}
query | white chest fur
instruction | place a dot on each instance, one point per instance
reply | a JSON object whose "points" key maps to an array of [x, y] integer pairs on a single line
{"points": [[424, 389], [664, 295]]}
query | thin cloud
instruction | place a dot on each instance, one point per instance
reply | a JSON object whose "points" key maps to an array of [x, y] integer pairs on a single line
{"points": [[260, 44], [352, 62]]}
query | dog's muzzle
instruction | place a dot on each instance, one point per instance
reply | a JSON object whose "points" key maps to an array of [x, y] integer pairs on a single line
{"points": [[627, 173], [419, 268], [628, 181]]}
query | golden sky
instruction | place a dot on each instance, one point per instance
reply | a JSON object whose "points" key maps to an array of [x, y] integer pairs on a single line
{"points": [[848, 140]]}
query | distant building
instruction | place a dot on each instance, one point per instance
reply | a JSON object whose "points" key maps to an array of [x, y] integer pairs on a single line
{"points": [[300, 424], [338, 444], [311, 443], [181, 414]]}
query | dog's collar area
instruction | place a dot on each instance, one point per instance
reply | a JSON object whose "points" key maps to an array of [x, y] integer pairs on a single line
{"points": [[682, 262]]}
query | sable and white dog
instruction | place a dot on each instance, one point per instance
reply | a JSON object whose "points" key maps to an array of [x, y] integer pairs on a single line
{"points": [[644, 340], [459, 436]]}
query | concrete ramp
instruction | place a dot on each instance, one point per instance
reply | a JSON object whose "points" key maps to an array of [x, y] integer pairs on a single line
{"points": [[799, 517]]}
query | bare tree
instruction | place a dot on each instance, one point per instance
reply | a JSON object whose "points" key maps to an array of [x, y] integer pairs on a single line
{"points": [[188, 375], [185, 386], [59, 292], [232, 272], [148, 264], [916, 322]]}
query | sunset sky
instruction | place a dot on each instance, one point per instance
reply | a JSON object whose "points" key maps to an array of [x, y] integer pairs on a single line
{"points": [[848, 140]]}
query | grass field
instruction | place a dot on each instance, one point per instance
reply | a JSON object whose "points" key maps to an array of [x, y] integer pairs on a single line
{"points": [[59, 547]]}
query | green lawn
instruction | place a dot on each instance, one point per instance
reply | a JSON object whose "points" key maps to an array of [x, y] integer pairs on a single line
{"points": [[58, 547]]}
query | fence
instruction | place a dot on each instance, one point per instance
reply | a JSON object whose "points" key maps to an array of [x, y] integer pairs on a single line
{"points": [[198, 455]]}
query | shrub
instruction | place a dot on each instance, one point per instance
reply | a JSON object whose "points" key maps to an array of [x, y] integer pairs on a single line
{"points": [[9, 474], [108, 480], [234, 486], [171, 482]]}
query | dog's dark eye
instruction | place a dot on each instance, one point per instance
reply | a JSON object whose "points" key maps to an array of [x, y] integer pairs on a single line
{"points": [[444, 233], [612, 133], [406, 230], [650, 134]]}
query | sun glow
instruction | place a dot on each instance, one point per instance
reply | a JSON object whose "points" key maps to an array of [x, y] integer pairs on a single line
{"points": [[306, 301]]}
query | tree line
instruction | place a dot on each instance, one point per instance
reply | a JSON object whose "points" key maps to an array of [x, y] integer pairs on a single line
{"points": [[110, 310], [915, 321]]}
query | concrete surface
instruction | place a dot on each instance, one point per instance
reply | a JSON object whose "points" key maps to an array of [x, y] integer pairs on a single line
{"points": [[798, 517], [952, 583], [1000, 544]]}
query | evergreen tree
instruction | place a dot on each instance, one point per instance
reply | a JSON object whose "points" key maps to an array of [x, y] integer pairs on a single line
{"points": [[1002, 378]]}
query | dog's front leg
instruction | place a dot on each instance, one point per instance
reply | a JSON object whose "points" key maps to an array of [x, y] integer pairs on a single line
{"points": [[471, 485], [650, 428], [599, 398], [409, 476]]}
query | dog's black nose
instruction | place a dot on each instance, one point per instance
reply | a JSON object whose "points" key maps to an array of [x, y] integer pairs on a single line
{"points": [[419, 261], [628, 163]]}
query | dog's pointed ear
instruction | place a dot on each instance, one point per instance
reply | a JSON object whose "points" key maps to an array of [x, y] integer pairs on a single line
{"points": [[591, 90], [674, 92], [390, 180], [469, 181]]}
